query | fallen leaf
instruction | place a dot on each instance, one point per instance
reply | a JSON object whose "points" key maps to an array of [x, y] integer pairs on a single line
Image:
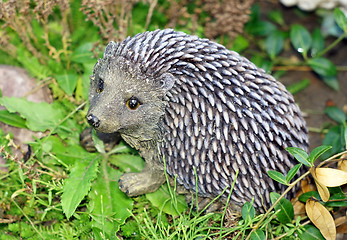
{"points": [[340, 221], [307, 186], [342, 165], [331, 177], [321, 218], [321, 188]]}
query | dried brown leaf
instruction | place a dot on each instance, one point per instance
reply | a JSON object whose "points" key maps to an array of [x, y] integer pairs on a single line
{"points": [[322, 189], [307, 186], [342, 165], [321, 218], [331, 177]]}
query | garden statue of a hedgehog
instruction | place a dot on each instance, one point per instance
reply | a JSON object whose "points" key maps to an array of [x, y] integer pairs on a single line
{"points": [[200, 107]]}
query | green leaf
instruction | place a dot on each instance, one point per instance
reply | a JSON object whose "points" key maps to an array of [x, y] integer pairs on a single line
{"points": [[67, 82], [299, 86], [317, 152], [240, 43], [127, 162], [336, 114], [274, 44], [276, 16], [83, 54], [99, 144], [305, 196], [317, 42], [310, 233], [299, 155], [335, 138], [286, 213], [292, 172], [108, 206], [300, 38], [277, 176], [247, 212], [258, 235], [260, 28], [323, 66], [332, 82], [163, 201], [340, 19], [77, 186], [39, 116], [12, 119]]}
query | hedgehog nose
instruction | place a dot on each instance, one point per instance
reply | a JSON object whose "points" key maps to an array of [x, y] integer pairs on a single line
{"points": [[93, 120]]}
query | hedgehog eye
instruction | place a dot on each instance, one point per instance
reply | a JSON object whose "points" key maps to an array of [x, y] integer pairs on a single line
{"points": [[133, 103], [100, 87]]}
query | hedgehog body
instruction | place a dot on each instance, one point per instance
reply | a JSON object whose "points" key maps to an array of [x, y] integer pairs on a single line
{"points": [[201, 107]]}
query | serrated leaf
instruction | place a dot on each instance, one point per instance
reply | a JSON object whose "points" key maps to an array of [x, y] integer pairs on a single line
{"points": [[323, 66], [340, 19], [300, 38], [127, 162], [67, 82], [162, 200], [310, 233], [292, 172], [317, 152], [258, 235], [108, 206], [331, 177], [299, 155], [39, 116], [247, 211], [83, 54], [99, 144], [12, 119], [274, 44], [286, 213], [277, 176], [77, 186], [321, 218], [336, 114]]}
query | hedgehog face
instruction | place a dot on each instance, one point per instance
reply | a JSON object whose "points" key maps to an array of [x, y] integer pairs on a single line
{"points": [[124, 100]]}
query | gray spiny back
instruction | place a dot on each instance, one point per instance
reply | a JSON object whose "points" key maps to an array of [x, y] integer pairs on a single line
{"points": [[224, 114]]}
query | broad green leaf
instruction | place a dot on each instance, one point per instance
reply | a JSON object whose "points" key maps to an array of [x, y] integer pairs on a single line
{"points": [[310, 233], [67, 82], [337, 200], [162, 200], [335, 138], [260, 28], [303, 197], [127, 162], [323, 66], [108, 206], [331, 82], [317, 42], [299, 155], [292, 172], [299, 86], [83, 54], [39, 116], [274, 43], [77, 186], [258, 235], [277, 176], [12, 119], [340, 19], [317, 152], [300, 38], [247, 211], [286, 215], [336, 114]]}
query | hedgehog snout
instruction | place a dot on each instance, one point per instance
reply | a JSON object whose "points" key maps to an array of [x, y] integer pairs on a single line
{"points": [[93, 120]]}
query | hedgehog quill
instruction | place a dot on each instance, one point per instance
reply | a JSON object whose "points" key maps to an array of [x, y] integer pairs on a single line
{"points": [[198, 105]]}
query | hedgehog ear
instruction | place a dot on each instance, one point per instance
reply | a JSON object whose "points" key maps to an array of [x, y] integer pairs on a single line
{"points": [[167, 80], [111, 49]]}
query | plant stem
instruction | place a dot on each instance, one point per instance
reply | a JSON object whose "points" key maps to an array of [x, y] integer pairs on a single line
{"points": [[328, 48]]}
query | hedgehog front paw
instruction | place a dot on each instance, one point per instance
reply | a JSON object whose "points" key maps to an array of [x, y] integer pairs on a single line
{"points": [[134, 184]]}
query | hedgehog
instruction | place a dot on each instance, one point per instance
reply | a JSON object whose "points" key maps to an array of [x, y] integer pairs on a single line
{"points": [[198, 111]]}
